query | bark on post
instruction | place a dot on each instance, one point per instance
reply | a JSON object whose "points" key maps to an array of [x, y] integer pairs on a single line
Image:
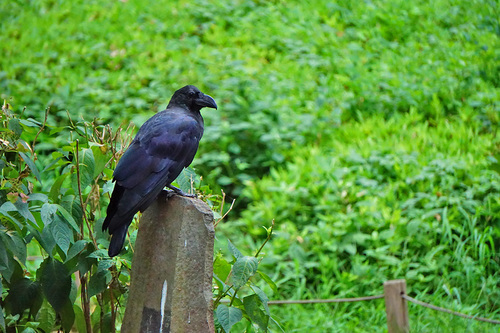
{"points": [[171, 282], [396, 306]]}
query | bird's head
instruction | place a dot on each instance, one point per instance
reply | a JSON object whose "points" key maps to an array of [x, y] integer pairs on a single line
{"points": [[192, 98]]}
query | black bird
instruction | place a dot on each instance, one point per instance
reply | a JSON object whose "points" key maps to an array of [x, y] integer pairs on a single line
{"points": [[164, 145]]}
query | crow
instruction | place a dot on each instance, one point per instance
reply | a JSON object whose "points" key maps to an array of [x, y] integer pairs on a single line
{"points": [[162, 148]]}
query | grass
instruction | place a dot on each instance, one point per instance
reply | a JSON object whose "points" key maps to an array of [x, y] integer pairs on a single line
{"points": [[368, 131], [383, 200]]}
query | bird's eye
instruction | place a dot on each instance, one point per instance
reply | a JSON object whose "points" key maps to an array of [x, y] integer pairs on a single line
{"points": [[192, 94]]}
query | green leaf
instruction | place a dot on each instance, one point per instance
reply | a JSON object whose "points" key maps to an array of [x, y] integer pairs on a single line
{"points": [[46, 240], [185, 178], [29, 162], [244, 268], [263, 298], [104, 265], [13, 271], [221, 268], [47, 213], [38, 197], [2, 319], [73, 205], [106, 322], [29, 330], [268, 280], [8, 207], [15, 127], [87, 167], [23, 209], [37, 302], [80, 324], [23, 294], [62, 233], [97, 254], [234, 251], [228, 316], [251, 304], [277, 324], [56, 282], [99, 282], [30, 122], [75, 249], [55, 190], [100, 160], [46, 317], [85, 262], [4, 257], [69, 218], [67, 316]]}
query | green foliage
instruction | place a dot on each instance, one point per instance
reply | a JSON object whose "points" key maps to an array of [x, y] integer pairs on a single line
{"points": [[382, 200], [236, 279], [48, 210], [284, 74], [368, 130]]}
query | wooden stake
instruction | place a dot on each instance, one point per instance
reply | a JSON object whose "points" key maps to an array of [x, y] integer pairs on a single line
{"points": [[396, 307]]}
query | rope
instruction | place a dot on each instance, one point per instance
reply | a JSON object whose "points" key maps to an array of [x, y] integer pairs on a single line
{"points": [[369, 298], [317, 301], [437, 308], [335, 300]]}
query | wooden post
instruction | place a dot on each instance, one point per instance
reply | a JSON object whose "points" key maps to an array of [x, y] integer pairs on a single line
{"points": [[172, 269], [396, 306]]}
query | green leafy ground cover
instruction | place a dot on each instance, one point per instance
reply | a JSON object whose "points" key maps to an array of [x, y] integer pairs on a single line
{"points": [[367, 130]]}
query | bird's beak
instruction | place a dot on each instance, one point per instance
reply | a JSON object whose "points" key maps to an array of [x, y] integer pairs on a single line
{"points": [[206, 101]]}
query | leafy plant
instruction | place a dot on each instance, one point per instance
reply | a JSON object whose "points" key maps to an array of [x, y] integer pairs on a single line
{"points": [[49, 238], [234, 279]]}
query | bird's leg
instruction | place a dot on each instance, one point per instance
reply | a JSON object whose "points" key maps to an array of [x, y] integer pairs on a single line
{"points": [[180, 192]]}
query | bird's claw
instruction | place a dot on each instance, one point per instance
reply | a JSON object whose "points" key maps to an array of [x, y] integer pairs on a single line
{"points": [[178, 191]]}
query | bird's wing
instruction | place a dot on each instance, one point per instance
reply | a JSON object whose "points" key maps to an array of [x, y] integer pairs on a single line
{"points": [[164, 145], [166, 142]]}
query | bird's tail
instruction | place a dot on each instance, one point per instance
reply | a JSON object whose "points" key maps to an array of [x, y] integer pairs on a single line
{"points": [[117, 240]]}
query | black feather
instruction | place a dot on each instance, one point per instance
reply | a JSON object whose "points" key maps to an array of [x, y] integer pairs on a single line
{"points": [[164, 145]]}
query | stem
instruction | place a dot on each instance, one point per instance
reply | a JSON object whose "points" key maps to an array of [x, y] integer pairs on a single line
{"points": [[40, 130], [112, 300], [85, 303], [80, 194], [101, 314], [269, 233], [222, 209], [234, 296], [217, 300]]}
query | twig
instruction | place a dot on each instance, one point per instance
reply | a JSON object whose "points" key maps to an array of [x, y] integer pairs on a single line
{"points": [[269, 233], [222, 209], [85, 303], [234, 296], [218, 299], [112, 300], [40, 130], [80, 193]]}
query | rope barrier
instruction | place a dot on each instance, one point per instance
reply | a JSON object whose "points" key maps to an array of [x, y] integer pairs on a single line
{"points": [[369, 298], [335, 300], [318, 301], [459, 314]]}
